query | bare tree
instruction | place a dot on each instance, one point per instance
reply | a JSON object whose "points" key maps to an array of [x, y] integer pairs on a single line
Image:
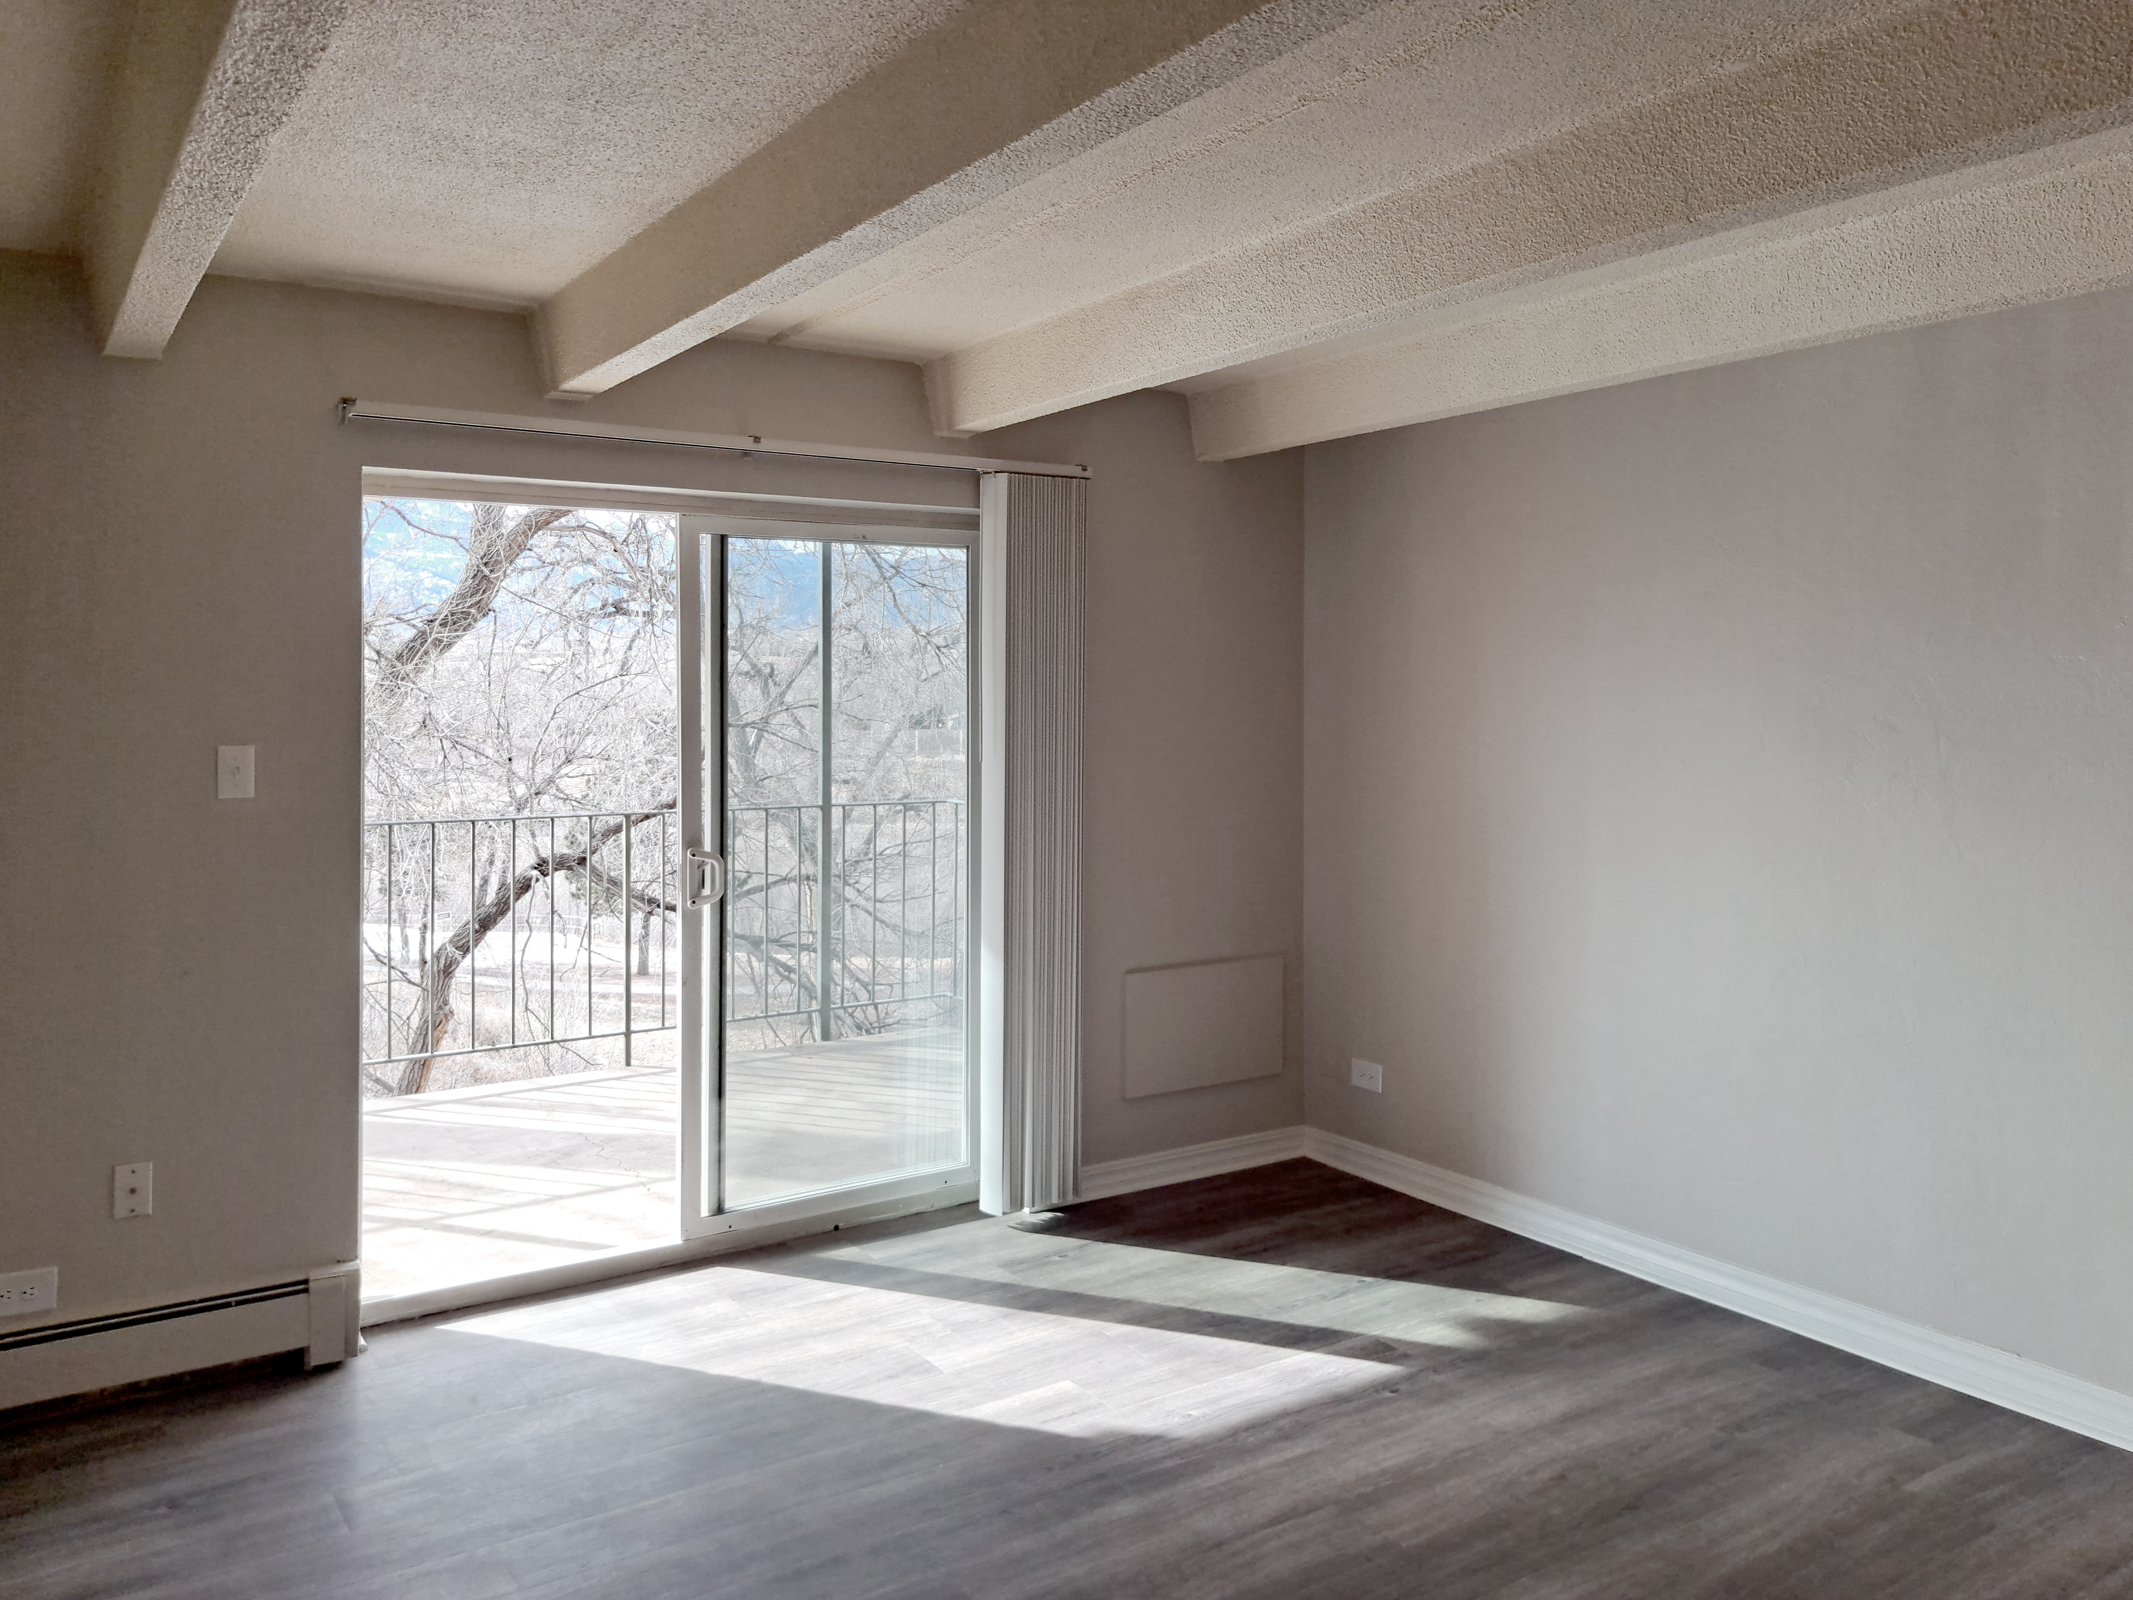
{"points": [[442, 964], [520, 665], [520, 662], [862, 876], [497, 537]]}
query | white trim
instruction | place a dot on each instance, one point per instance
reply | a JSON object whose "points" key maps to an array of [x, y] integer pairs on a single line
{"points": [[699, 653], [699, 794], [411, 483], [988, 859], [753, 444], [1997, 1376], [119, 1356], [1104, 1179], [741, 1235], [111, 1351], [336, 1300]]}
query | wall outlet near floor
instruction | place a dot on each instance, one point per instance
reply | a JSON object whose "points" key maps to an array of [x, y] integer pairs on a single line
{"points": [[1367, 1075], [133, 1190], [28, 1294]]}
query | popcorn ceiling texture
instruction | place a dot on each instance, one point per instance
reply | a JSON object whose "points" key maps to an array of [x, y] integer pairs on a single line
{"points": [[988, 102], [1922, 90], [1290, 209], [2031, 228], [494, 149], [1400, 95], [185, 148]]}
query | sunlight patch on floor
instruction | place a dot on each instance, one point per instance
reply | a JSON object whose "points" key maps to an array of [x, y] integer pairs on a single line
{"points": [[1090, 1367], [1048, 1371], [1405, 1312]]}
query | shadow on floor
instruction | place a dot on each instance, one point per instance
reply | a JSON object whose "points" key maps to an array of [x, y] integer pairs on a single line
{"points": [[946, 1407]]}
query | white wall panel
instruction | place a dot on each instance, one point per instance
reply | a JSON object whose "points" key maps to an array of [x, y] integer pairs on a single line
{"points": [[1192, 1027]]}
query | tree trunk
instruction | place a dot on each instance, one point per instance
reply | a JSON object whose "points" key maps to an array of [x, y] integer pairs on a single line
{"points": [[493, 548], [450, 955]]}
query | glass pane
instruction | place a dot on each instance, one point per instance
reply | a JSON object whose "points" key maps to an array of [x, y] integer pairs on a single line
{"points": [[521, 972], [847, 838]]}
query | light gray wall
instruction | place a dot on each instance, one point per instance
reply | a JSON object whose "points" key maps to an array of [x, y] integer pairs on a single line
{"points": [[1192, 788], [181, 544], [1719, 814]]}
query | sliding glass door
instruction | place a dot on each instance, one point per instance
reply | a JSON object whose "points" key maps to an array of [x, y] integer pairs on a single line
{"points": [[827, 813]]}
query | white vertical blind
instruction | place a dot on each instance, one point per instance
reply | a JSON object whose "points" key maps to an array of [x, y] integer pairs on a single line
{"points": [[1036, 527]]}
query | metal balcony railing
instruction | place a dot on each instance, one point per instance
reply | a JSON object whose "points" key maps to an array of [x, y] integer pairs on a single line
{"points": [[496, 933], [886, 939]]}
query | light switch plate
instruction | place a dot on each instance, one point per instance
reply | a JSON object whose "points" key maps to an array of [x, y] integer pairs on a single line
{"points": [[1367, 1075], [133, 1190], [233, 771], [29, 1294]]}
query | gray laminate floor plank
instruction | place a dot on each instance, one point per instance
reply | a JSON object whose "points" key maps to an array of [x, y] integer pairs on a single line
{"points": [[1282, 1383]]}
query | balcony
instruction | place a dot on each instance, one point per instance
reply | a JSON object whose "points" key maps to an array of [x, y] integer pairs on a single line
{"points": [[521, 983]]}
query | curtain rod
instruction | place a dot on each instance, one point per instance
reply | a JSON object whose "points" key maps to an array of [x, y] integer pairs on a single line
{"points": [[353, 410]]}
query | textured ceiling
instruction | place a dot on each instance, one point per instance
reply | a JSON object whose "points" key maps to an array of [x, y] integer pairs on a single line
{"points": [[1312, 216], [1406, 93], [491, 150], [1863, 101], [58, 56]]}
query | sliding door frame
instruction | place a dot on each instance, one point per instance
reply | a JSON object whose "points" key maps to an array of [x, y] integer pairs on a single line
{"points": [[700, 648], [1040, 502]]}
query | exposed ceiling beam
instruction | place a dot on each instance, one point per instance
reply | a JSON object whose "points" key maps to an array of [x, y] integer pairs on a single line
{"points": [[204, 87], [1931, 90], [1004, 91], [2030, 228]]}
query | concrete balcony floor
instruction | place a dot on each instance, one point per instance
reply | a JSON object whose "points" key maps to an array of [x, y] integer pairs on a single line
{"points": [[467, 1184]]}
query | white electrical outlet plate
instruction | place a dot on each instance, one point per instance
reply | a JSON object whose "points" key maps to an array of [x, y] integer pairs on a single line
{"points": [[1367, 1075], [233, 771], [133, 1190], [29, 1294]]}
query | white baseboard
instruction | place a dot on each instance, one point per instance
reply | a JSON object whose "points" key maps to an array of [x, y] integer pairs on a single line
{"points": [[314, 1321], [158, 1350], [315, 1316], [2002, 1378], [1217, 1156]]}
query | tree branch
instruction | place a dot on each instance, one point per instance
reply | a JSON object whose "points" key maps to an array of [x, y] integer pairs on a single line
{"points": [[447, 958], [493, 547]]}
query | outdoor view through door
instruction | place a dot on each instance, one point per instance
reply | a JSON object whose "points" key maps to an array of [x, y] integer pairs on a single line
{"points": [[549, 997], [846, 711]]}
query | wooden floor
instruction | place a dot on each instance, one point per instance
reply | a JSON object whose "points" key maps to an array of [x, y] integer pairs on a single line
{"points": [[468, 1184], [1281, 1385]]}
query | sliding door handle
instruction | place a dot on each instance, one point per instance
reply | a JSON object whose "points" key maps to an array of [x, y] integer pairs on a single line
{"points": [[707, 878]]}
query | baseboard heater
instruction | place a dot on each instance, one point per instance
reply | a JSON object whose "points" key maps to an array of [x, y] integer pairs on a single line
{"points": [[315, 1314]]}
